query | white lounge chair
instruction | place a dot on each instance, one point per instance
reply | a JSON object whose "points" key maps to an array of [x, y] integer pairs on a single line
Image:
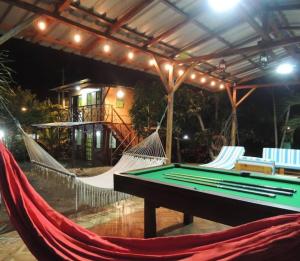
{"points": [[226, 158], [283, 158]]}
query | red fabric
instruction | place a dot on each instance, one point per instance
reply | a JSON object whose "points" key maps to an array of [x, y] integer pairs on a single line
{"points": [[51, 236]]}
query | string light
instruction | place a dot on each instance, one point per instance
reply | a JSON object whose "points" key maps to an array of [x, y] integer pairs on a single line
{"points": [[213, 83], [203, 80], [193, 76], [168, 67], [151, 62], [222, 86], [106, 48], [42, 25], [130, 55], [77, 38], [180, 72]]}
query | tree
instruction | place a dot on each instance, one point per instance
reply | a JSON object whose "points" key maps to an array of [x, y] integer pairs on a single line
{"points": [[148, 107], [5, 76], [197, 113]]}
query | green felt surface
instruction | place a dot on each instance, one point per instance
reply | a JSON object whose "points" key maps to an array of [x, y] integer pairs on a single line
{"points": [[156, 174]]}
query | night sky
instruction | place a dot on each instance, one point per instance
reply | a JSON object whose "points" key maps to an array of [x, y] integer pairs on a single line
{"points": [[41, 68]]}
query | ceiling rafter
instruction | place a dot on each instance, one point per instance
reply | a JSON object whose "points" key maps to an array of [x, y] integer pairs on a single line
{"points": [[18, 29], [110, 23], [64, 20], [274, 24], [209, 37], [264, 85], [251, 21], [283, 7], [206, 29], [63, 6], [129, 15], [236, 51], [187, 19], [259, 74]]}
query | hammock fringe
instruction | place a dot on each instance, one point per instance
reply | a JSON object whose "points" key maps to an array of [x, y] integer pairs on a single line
{"points": [[96, 197]]}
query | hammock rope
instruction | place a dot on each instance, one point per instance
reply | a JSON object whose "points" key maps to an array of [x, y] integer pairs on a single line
{"points": [[97, 191]]}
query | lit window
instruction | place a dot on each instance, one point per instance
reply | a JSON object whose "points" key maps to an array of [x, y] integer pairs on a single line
{"points": [[98, 139], [78, 136], [120, 94], [112, 142]]}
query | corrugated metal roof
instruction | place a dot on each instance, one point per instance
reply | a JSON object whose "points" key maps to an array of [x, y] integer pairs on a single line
{"points": [[202, 31]]}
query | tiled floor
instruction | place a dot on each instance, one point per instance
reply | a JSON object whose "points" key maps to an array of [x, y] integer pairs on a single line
{"points": [[124, 219]]}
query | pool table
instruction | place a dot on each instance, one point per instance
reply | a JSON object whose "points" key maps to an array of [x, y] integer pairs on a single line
{"points": [[223, 205]]}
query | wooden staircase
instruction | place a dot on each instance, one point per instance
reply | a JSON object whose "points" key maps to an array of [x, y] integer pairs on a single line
{"points": [[122, 131], [109, 117]]}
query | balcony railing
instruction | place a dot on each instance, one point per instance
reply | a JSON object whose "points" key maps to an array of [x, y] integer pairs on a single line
{"points": [[106, 114]]}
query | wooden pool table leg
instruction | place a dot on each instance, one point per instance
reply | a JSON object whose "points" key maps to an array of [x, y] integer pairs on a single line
{"points": [[187, 219], [149, 219]]}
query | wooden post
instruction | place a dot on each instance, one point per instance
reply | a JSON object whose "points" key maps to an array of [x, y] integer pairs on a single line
{"points": [[234, 119], [171, 86], [169, 126]]}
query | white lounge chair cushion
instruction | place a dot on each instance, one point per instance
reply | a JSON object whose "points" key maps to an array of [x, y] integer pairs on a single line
{"points": [[226, 158]]}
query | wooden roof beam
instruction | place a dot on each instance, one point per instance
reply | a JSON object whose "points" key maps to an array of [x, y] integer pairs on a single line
{"points": [[262, 31], [167, 33], [236, 51], [89, 47], [211, 35], [129, 15], [187, 19], [283, 7], [264, 85], [63, 6], [204, 27], [36, 9], [18, 29], [289, 27]]}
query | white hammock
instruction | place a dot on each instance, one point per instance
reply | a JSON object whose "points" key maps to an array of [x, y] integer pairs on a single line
{"points": [[98, 190]]}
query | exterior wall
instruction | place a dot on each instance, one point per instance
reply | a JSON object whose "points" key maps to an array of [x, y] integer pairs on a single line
{"points": [[111, 99]]}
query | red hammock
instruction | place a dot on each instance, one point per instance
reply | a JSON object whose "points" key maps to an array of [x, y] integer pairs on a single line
{"points": [[51, 236]]}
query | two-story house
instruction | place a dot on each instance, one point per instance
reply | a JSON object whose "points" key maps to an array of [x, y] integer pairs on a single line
{"points": [[98, 119]]}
